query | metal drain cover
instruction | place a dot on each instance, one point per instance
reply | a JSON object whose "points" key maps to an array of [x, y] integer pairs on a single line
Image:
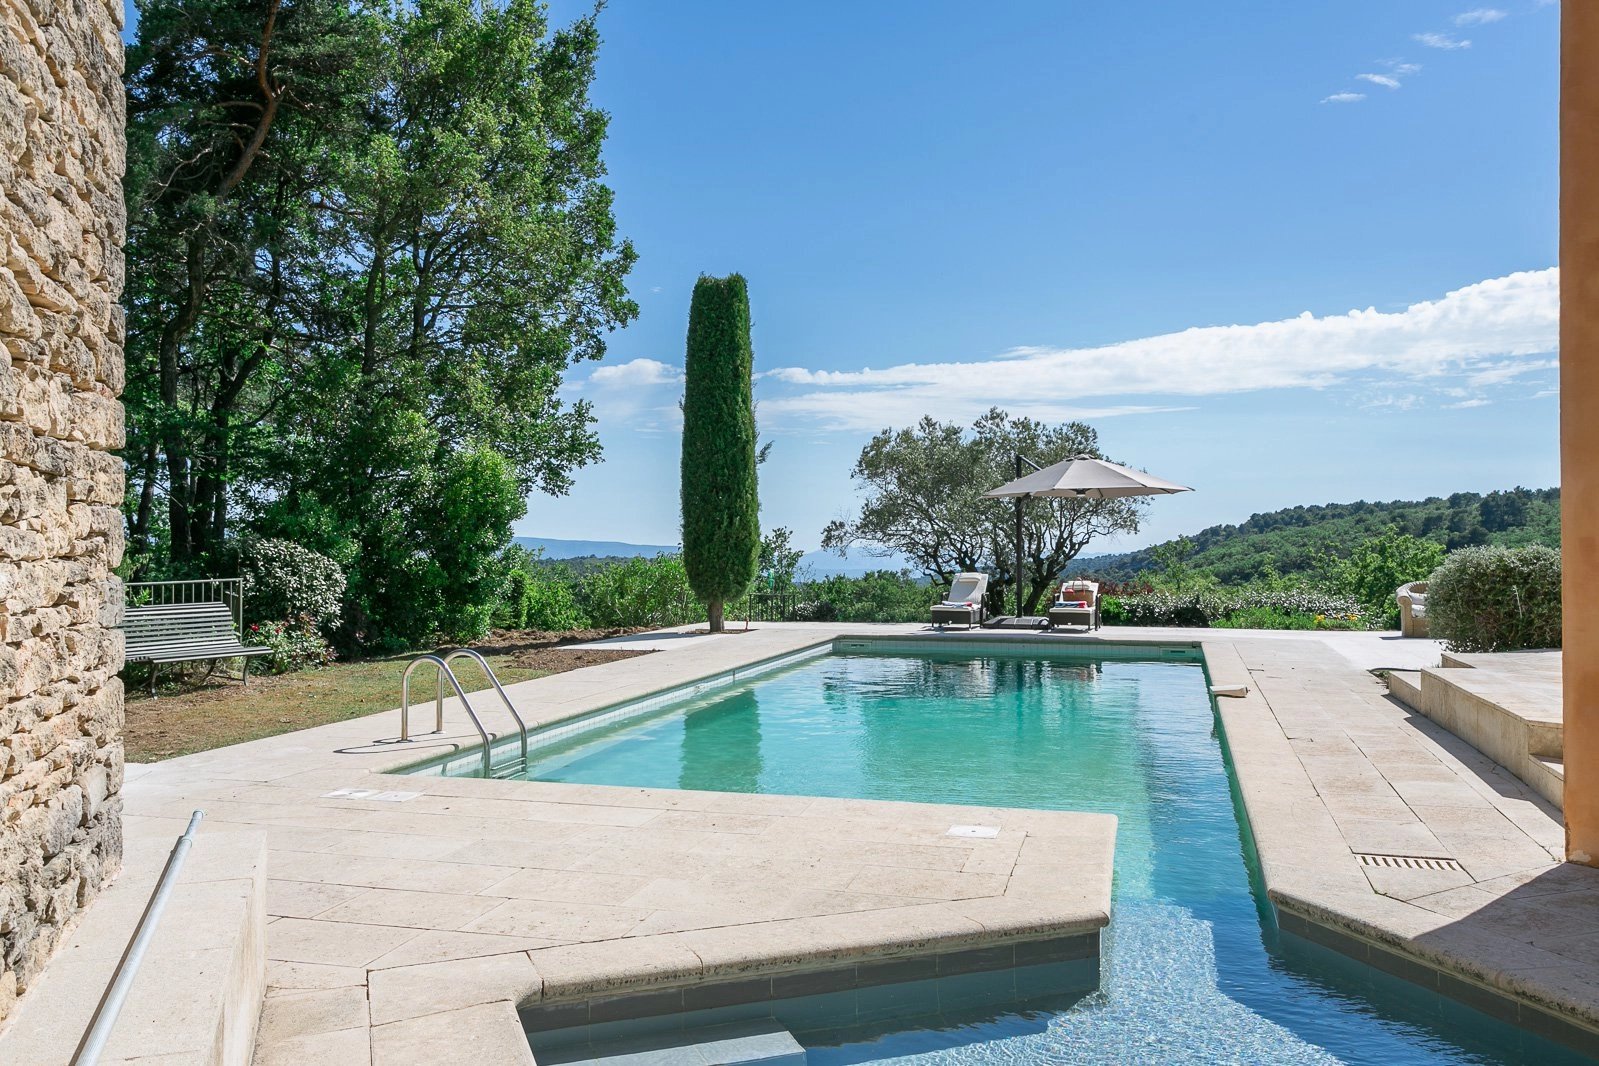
{"points": [[1409, 862]]}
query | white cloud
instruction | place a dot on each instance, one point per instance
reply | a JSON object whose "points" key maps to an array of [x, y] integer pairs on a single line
{"points": [[1394, 402], [1484, 329], [1445, 41], [1475, 401], [637, 373], [640, 394], [1343, 98], [1401, 69], [1479, 16], [1499, 373], [1384, 80]]}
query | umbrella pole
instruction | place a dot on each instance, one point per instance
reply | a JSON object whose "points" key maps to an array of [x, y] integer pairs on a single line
{"points": [[1020, 502]]}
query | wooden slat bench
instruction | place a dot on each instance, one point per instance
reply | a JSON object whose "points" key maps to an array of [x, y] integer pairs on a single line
{"points": [[184, 632]]}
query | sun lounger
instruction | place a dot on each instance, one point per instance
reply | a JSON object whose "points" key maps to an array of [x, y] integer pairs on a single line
{"points": [[1076, 604], [964, 604]]}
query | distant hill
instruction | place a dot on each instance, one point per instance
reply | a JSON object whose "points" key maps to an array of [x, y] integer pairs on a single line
{"points": [[576, 549], [590, 553], [1292, 540]]}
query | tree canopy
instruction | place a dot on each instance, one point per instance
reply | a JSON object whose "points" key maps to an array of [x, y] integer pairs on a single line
{"points": [[923, 491], [366, 242], [1301, 540]]}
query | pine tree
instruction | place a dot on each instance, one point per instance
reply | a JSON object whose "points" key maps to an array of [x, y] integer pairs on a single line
{"points": [[721, 507]]}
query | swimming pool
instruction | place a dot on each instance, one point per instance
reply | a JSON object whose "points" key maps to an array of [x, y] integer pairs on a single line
{"points": [[1193, 967]]}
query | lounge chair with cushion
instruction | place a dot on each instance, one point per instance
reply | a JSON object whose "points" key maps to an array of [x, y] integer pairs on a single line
{"points": [[1076, 604], [1412, 609], [964, 604]]}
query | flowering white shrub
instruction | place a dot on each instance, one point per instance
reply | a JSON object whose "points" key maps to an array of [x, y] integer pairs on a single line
{"points": [[1207, 606], [284, 581]]}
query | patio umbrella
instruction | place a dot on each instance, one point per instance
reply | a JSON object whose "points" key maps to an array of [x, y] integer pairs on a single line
{"points": [[1082, 476]]}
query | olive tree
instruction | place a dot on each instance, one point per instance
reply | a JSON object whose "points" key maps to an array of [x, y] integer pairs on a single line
{"points": [[923, 487]]}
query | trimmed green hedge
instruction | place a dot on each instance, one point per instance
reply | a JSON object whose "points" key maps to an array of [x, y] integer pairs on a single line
{"points": [[1496, 599]]}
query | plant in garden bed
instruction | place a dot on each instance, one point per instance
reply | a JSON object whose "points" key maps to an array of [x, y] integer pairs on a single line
{"points": [[284, 580], [1496, 599], [296, 643], [1265, 605], [639, 592]]}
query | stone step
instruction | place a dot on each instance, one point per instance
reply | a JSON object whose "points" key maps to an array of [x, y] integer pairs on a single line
{"points": [[1405, 686], [764, 1042], [1513, 716], [1548, 777], [197, 996]]}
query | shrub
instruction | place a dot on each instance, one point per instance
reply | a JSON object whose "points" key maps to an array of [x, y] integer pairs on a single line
{"points": [[295, 642], [876, 596], [548, 603], [639, 592], [283, 580], [815, 611], [1377, 567], [1496, 599], [1274, 618], [512, 610], [1260, 603]]}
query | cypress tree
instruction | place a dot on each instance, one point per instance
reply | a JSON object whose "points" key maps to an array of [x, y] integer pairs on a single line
{"points": [[721, 508]]}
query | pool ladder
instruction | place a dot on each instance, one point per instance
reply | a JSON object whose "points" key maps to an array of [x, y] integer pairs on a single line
{"points": [[512, 768]]}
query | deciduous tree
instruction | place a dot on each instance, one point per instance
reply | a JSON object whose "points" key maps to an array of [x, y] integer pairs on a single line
{"points": [[923, 491], [369, 241]]}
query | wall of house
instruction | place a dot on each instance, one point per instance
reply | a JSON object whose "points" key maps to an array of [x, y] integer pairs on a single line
{"points": [[1579, 428], [61, 231]]}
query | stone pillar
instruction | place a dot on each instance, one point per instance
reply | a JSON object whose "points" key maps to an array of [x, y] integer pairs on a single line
{"points": [[61, 233], [1579, 420]]}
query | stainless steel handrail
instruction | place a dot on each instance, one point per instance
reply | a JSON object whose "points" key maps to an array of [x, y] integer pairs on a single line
{"points": [[460, 693], [405, 695], [116, 993], [521, 726], [442, 664]]}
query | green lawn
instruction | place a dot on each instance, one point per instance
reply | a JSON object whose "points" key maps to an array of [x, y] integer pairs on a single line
{"points": [[200, 717]]}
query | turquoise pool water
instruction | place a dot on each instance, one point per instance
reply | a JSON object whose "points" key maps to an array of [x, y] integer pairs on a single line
{"points": [[1194, 970]]}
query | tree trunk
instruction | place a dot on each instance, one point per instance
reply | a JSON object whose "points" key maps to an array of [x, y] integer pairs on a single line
{"points": [[713, 611], [141, 516]]}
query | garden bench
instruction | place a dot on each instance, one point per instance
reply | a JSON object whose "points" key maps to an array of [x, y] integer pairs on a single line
{"points": [[184, 632]]}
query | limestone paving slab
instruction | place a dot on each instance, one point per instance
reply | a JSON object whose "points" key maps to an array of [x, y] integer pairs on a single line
{"points": [[441, 911], [1512, 919]]}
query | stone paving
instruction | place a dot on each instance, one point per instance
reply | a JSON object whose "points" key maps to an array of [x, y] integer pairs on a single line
{"points": [[1331, 770], [407, 925]]}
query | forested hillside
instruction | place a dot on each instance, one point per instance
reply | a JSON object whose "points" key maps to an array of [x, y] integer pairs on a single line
{"points": [[1292, 541]]}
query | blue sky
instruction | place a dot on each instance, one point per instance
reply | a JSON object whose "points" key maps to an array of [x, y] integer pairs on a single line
{"points": [[1049, 207], [927, 189]]}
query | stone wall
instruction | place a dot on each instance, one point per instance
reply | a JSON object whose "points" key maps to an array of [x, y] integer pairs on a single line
{"points": [[61, 230]]}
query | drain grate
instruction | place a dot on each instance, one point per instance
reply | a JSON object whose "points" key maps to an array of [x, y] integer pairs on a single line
{"points": [[1409, 862]]}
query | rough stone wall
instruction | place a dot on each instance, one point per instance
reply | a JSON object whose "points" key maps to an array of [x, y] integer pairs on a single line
{"points": [[61, 231]]}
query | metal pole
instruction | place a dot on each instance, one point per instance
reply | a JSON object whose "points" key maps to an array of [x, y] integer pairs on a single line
{"points": [[105, 1015], [1019, 504]]}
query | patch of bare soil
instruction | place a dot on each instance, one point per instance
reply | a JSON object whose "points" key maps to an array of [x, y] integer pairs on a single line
{"points": [[552, 653]]}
